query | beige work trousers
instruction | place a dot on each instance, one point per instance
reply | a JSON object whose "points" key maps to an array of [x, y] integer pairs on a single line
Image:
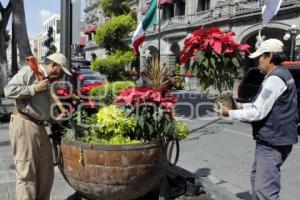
{"points": [[33, 158]]}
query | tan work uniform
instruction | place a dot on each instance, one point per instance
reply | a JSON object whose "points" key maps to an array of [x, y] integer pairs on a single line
{"points": [[31, 145]]}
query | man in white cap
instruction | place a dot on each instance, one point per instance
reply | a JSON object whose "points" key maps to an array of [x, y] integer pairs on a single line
{"points": [[31, 145], [273, 115]]}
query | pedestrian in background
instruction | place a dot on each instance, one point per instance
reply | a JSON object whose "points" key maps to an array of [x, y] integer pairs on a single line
{"points": [[273, 115], [30, 142], [93, 56]]}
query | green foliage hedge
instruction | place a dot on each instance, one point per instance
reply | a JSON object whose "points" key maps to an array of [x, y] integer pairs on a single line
{"points": [[105, 94], [113, 34], [114, 7], [113, 66]]}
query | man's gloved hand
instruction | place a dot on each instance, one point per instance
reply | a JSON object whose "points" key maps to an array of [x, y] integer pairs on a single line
{"points": [[42, 85]]}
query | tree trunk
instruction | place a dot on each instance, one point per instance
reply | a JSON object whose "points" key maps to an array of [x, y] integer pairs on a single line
{"points": [[5, 14], [20, 28]]}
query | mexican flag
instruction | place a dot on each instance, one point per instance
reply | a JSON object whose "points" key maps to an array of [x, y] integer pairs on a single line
{"points": [[149, 19]]}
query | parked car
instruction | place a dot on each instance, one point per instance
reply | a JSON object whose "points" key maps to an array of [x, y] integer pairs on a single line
{"points": [[82, 71], [80, 62], [251, 82]]}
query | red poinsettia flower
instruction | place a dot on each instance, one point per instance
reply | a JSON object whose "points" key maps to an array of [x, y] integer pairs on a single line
{"points": [[135, 96], [211, 40], [87, 87], [63, 92]]}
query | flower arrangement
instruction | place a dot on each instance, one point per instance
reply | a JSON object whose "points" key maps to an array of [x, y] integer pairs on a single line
{"points": [[133, 114], [215, 57], [154, 113]]}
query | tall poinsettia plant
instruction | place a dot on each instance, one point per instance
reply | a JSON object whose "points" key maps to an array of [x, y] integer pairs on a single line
{"points": [[215, 57]]}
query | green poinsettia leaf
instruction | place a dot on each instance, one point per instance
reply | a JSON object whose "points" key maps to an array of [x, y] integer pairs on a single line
{"points": [[213, 62], [200, 56], [205, 63], [235, 61]]}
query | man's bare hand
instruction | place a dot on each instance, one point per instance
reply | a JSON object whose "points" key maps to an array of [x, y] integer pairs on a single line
{"points": [[42, 85], [238, 105], [222, 110]]}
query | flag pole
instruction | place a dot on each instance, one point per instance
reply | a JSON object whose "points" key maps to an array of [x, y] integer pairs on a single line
{"points": [[159, 24]]}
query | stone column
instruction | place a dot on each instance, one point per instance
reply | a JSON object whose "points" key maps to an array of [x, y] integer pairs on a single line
{"points": [[169, 60]]}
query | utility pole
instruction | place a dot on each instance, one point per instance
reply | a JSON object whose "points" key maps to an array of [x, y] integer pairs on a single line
{"points": [[65, 35]]}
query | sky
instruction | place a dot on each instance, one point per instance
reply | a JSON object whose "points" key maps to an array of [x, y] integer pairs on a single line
{"points": [[36, 12]]}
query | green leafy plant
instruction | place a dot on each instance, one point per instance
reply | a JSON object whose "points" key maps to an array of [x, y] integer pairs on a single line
{"points": [[113, 66], [155, 75], [112, 127], [106, 94], [114, 7], [113, 34], [49, 42], [177, 80], [181, 129]]}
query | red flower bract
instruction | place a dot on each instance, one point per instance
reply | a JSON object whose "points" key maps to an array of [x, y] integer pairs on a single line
{"points": [[135, 96], [87, 88]]}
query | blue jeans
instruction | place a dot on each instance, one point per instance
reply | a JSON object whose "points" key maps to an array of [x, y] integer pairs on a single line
{"points": [[265, 175]]}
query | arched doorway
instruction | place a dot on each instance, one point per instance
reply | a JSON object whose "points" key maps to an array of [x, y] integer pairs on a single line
{"points": [[175, 49], [266, 33]]}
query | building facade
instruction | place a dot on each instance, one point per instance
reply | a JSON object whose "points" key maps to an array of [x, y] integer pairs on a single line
{"points": [[181, 17], [93, 18], [54, 22], [36, 44]]}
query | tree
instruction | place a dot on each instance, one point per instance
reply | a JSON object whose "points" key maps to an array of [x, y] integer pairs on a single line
{"points": [[115, 7], [113, 36], [5, 14], [19, 23], [49, 42]]}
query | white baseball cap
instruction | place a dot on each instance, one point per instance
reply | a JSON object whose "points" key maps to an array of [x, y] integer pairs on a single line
{"points": [[61, 60], [270, 45]]}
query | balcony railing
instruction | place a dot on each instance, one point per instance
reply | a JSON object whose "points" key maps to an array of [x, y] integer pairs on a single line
{"points": [[90, 6], [238, 9], [188, 19], [245, 7]]}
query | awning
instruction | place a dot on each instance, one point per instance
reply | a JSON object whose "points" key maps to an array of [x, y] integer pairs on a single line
{"points": [[93, 28], [87, 30], [90, 29], [82, 40], [145, 8], [162, 2]]}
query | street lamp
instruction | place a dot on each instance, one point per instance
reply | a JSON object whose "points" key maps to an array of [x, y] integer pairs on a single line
{"points": [[293, 34]]}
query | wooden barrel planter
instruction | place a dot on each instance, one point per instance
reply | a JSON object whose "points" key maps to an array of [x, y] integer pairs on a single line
{"points": [[112, 172]]}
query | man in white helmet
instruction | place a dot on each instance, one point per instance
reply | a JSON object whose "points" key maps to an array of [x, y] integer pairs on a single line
{"points": [[30, 142]]}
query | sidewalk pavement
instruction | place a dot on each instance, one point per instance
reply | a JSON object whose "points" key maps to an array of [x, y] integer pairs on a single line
{"points": [[61, 190]]}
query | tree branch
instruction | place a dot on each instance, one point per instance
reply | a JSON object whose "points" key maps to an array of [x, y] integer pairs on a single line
{"points": [[9, 7], [1, 8]]}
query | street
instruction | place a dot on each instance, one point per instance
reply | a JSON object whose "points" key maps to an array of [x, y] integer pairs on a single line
{"points": [[219, 149], [225, 151]]}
